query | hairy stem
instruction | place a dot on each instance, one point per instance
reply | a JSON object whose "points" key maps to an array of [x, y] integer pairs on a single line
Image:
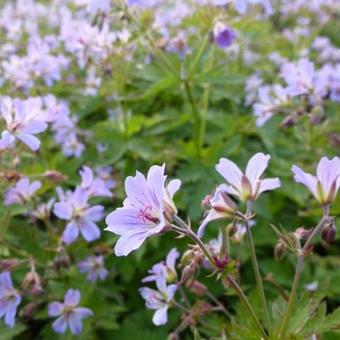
{"points": [[247, 304], [256, 266], [298, 271]]}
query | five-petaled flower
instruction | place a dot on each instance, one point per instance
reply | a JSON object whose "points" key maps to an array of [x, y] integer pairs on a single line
{"points": [[94, 267], [167, 268], [74, 207], [247, 186], [324, 186], [159, 300], [69, 314], [146, 211], [22, 192], [9, 299]]}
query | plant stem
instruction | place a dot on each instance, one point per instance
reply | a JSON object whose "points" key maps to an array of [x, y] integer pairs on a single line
{"points": [[298, 271], [196, 115], [246, 303], [256, 266]]}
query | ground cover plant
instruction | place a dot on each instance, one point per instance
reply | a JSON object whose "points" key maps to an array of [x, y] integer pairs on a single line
{"points": [[169, 169]]}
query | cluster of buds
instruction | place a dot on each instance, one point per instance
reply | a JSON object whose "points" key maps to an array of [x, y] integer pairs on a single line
{"points": [[328, 232], [190, 262]]}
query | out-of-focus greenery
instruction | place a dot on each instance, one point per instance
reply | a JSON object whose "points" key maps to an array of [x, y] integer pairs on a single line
{"points": [[153, 122]]}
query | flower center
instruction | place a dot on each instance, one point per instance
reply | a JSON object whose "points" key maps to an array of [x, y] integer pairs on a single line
{"points": [[146, 215]]}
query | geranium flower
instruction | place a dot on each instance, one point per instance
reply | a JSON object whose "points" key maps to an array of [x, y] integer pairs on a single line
{"points": [[146, 210], [9, 299], [247, 186], [159, 300], [74, 207], [94, 267], [70, 315], [166, 268], [324, 186], [20, 124], [224, 36], [22, 192], [92, 185]]}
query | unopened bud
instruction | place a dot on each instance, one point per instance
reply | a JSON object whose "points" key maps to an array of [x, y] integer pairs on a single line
{"points": [[205, 203], [55, 176], [197, 288], [32, 283], [11, 175], [279, 250], [9, 264], [328, 233], [62, 260], [232, 229], [188, 273], [288, 122], [28, 311]]}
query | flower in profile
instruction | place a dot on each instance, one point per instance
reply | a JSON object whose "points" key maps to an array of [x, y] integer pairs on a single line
{"points": [[166, 268], [224, 36], [74, 208], [92, 185], [94, 267], [246, 186], [9, 299], [69, 314], [146, 211], [324, 186], [20, 124], [22, 192], [221, 206], [159, 300]]}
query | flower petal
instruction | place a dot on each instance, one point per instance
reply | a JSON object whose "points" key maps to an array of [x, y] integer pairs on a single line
{"points": [[231, 172]]}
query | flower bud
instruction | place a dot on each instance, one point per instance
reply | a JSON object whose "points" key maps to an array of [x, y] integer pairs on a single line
{"points": [[62, 260], [232, 229], [329, 232], [197, 288], [55, 176], [188, 273], [9, 264], [205, 203], [279, 250], [28, 311], [32, 283]]}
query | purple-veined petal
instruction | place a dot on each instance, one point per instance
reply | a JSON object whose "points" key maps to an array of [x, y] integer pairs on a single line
{"points": [[256, 167], [161, 316], [306, 179], [230, 171], [55, 308], [269, 184], [60, 325], [71, 232], [328, 172], [72, 297], [31, 141], [90, 231]]}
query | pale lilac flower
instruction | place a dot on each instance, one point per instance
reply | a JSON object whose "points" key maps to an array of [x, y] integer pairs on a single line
{"points": [[242, 5], [20, 124], [222, 206], [241, 231], [159, 300], [224, 36], [22, 192], [167, 268], [105, 174], [324, 186], [43, 211], [312, 287], [9, 299], [247, 186], [94, 267], [146, 210], [75, 209], [6, 140], [69, 314], [92, 185]]}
